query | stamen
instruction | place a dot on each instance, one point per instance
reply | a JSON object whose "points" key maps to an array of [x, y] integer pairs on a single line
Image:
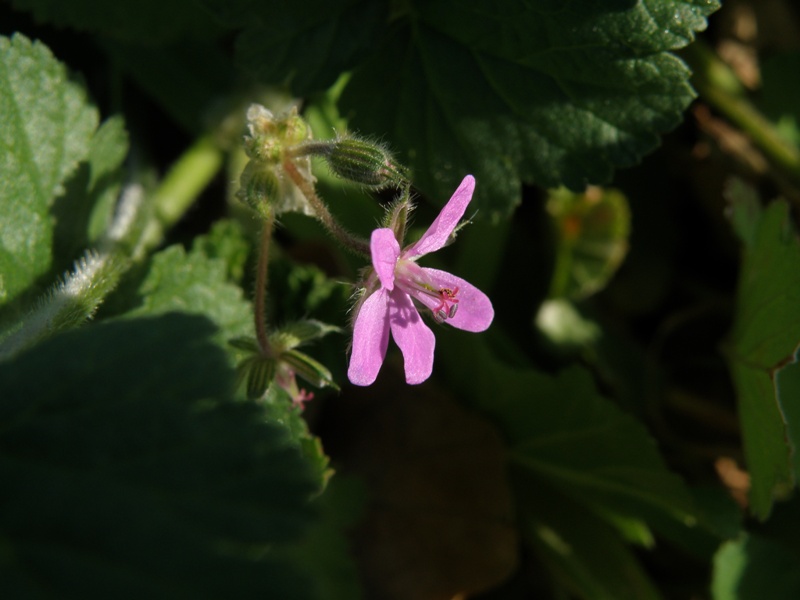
{"points": [[413, 280], [448, 304]]}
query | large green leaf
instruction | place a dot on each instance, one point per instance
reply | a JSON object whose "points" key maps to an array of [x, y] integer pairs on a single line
{"points": [[541, 91], [326, 550], [128, 472], [764, 338], [588, 478], [787, 388], [186, 79], [562, 430], [308, 44], [46, 127]]}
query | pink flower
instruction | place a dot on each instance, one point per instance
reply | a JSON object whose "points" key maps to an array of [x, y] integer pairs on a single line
{"points": [[390, 307]]}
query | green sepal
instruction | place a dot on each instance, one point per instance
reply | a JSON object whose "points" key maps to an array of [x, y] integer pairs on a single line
{"points": [[309, 369], [258, 372], [248, 344], [300, 332], [396, 217]]}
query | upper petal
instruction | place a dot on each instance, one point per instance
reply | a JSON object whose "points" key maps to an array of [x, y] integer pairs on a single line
{"points": [[370, 339], [414, 337], [475, 311], [385, 251], [439, 231]]}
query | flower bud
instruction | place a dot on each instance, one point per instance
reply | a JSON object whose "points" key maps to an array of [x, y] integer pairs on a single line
{"points": [[260, 143], [259, 186], [365, 163], [295, 130]]}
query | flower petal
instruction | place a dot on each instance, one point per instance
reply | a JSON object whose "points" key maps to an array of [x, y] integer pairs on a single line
{"points": [[415, 339], [439, 231], [370, 339], [385, 251], [475, 311]]}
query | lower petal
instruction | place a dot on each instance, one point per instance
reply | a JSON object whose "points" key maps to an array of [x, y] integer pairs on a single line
{"points": [[370, 339], [415, 339], [475, 311]]}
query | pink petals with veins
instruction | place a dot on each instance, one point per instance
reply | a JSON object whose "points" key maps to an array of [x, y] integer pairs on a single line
{"points": [[390, 310]]}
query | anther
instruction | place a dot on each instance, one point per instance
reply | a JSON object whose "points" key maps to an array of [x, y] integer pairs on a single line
{"points": [[448, 305]]}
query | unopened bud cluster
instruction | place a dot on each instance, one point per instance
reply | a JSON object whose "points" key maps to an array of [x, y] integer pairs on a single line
{"points": [[270, 142], [268, 137], [282, 361]]}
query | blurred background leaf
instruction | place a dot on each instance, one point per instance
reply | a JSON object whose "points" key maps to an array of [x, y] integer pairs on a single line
{"points": [[764, 338], [593, 229], [762, 563]]}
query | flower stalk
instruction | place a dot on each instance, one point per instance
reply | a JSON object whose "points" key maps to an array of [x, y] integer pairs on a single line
{"points": [[262, 276], [350, 241]]}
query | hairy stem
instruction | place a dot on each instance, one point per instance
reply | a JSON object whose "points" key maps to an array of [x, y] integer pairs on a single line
{"points": [[262, 274], [352, 242]]}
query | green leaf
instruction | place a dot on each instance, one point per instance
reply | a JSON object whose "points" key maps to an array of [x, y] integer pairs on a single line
{"points": [[326, 551], [129, 472], [584, 553], [85, 212], [787, 387], [300, 290], [754, 568], [195, 284], [281, 408], [555, 93], [226, 241], [306, 45], [150, 20], [561, 430], [764, 338], [46, 128], [186, 79]]}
